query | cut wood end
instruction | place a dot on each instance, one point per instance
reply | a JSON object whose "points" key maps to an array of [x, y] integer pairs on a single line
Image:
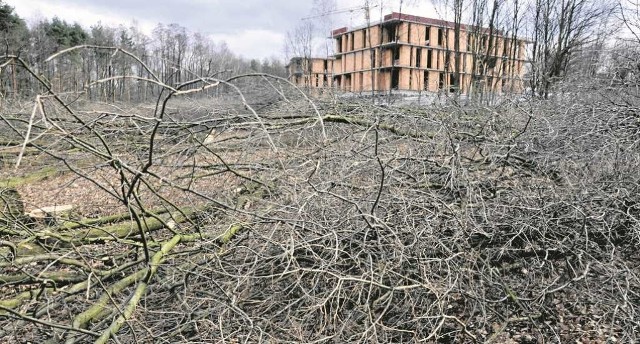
{"points": [[52, 211]]}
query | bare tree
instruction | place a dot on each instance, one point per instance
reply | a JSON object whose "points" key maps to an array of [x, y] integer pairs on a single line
{"points": [[299, 45], [299, 40], [322, 15], [559, 29]]}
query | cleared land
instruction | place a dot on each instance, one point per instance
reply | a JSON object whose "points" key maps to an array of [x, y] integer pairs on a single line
{"points": [[279, 219]]}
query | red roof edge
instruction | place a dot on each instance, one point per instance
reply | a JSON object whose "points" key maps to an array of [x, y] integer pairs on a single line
{"points": [[434, 22], [339, 31], [422, 20]]}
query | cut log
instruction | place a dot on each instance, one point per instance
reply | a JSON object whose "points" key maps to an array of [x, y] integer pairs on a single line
{"points": [[211, 138], [55, 211]]}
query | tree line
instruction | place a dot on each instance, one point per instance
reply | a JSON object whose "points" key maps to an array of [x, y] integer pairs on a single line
{"points": [[567, 39], [171, 53]]}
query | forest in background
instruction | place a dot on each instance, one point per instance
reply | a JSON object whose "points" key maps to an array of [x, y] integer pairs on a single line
{"points": [[569, 42], [174, 54]]}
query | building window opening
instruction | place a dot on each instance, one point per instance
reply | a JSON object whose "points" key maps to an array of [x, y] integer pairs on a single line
{"points": [[441, 81], [440, 37], [339, 44], [391, 33], [453, 83], [395, 79], [427, 35], [429, 58], [492, 61], [425, 81], [396, 54]]}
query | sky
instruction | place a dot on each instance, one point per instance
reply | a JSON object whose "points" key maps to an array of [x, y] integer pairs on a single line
{"points": [[251, 28]]}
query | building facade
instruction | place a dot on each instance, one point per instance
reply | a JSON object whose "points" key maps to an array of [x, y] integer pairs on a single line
{"points": [[311, 72], [411, 53]]}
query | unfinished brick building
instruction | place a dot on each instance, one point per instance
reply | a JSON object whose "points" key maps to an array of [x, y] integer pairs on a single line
{"points": [[411, 53], [311, 72]]}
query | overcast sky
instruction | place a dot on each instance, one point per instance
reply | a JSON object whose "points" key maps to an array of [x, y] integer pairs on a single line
{"points": [[251, 28]]}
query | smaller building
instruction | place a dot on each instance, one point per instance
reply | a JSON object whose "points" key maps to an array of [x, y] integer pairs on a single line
{"points": [[313, 72]]}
